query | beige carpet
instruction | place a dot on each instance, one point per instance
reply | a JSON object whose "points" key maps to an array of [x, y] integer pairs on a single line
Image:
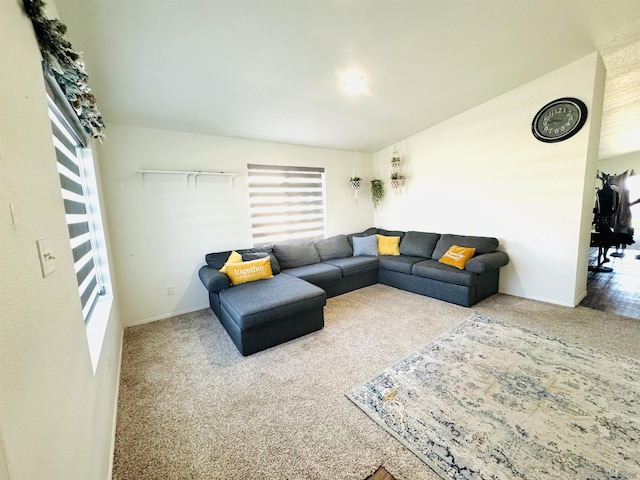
{"points": [[191, 407]]}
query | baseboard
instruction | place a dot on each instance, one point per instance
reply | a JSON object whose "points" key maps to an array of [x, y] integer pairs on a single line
{"points": [[115, 407], [548, 300], [581, 297], [165, 316]]}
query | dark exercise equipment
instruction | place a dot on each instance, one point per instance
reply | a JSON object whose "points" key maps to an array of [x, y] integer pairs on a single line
{"points": [[604, 219]]}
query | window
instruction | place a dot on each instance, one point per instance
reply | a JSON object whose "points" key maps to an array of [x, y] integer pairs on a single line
{"points": [[81, 205], [286, 203]]}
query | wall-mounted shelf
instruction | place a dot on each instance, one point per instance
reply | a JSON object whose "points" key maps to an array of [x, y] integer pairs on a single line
{"points": [[188, 174]]}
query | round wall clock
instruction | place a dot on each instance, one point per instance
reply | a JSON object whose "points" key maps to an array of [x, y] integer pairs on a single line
{"points": [[559, 120]]}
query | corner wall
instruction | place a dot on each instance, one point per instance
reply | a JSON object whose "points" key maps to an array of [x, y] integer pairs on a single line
{"points": [[56, 416], [162, 229], [483, 173]]}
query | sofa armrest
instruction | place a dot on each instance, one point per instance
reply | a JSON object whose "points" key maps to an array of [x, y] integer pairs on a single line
{"points": [[214, 280], [487, 261]]}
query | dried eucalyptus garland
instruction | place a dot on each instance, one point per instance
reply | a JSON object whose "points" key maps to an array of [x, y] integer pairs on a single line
{"points": [[66, 66]]}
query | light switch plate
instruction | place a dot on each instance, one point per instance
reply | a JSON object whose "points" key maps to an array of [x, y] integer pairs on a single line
{"points": [[47, 260]]}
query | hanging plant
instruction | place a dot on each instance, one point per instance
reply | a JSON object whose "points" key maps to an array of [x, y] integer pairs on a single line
{"points": [[355, 184], [396, 180], [66, 66], [377, 192], [395, 159]]}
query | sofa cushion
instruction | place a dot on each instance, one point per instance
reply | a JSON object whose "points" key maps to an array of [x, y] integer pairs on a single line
{"points": [[234, 257], [253, 255], [333, 247], [354, 265], [366, 233], [481, 244], [365, 246], [390, 233], [444, 273], [388, 245], [419, 244], [252, 305], [250, 271], [296, 254], [217, 259], [457, 256], [316, 273], [402, 263]]}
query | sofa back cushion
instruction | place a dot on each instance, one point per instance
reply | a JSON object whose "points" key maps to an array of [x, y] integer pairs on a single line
{"points": [[217, 260], [419, 244], [248, 255], [333, 247], [481, 244], [390, 233], [296, 254], [366, 233]]}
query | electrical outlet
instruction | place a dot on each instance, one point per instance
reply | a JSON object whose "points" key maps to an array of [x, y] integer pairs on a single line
{"points": [[169, 289], [47, 260]]}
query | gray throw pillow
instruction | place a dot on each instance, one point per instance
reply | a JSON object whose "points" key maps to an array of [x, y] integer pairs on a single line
{"points": [[365, 246], [333, 247]]}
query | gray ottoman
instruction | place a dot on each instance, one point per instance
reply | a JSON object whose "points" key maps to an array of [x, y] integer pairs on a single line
{"points": [[258, 315]]}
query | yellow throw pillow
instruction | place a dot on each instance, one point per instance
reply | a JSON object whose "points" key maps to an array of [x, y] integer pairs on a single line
{"points": [[388, 245], [249, 271], [235, 257], [457, 256]]}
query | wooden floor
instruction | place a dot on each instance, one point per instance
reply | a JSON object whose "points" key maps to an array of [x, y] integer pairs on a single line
{"points": [[381, 474], [617, 291]]}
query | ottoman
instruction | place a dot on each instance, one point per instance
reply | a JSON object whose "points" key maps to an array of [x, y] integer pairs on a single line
{"points": [[261, 314]]}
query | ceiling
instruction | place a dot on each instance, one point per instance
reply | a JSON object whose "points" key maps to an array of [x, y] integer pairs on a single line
{"points": [[269, 69]]}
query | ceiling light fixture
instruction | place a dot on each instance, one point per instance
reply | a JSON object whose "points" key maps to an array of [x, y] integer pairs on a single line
{"points": [[352, 82]]}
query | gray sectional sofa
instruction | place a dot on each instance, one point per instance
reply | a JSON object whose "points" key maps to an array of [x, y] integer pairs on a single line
{"points": [[267, 312]]}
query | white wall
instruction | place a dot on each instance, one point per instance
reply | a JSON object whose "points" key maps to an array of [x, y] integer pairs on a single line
{"points": [[162, 230], [56, 416], [616, 165], [483, 173]]}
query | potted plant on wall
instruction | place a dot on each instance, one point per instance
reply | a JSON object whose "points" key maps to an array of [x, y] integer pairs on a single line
{"points": [[377, 192], [395, 159], [355, 184], [396, 180]]}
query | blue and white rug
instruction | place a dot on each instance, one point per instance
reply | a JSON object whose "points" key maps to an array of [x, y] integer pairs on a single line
{"points": [[490, 400]]}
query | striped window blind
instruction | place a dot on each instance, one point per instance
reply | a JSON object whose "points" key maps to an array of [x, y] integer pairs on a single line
{"points": [[76, 194], [286, 203]]}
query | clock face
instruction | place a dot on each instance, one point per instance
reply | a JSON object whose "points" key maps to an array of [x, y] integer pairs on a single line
{"points": [[559, 120]]}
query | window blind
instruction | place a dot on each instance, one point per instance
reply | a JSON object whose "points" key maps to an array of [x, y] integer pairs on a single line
{"points": [[77, 206], [286, 203]]}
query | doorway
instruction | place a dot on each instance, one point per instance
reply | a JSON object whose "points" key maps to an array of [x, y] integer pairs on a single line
{"points": [[618, 291]]}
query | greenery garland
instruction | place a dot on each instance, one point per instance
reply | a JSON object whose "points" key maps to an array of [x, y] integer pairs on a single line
{"points": [[66, 66], [377, 192]]}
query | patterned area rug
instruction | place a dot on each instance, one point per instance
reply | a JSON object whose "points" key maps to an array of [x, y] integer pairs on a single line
{"points": [[490, 400]]}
